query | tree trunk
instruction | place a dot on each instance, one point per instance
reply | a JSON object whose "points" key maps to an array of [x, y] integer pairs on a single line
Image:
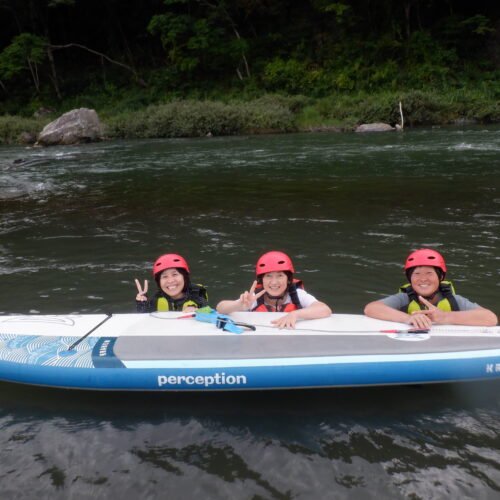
{"points": [[243, 56], [34, 75], [407, 19], [4, 87], [53, 72]]}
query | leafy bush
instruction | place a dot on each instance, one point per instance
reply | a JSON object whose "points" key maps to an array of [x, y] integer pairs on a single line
{"points": [[297, 77], [191, 118], [421, 108], [11, 128], [379, 108], [269, 113], [485, 112], [349, 110]]}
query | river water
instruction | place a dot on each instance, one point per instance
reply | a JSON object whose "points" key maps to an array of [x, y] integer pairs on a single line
{"points": [[78, 224]]}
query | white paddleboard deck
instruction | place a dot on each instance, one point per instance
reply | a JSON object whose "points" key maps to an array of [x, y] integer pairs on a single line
{"points": [[158, 351]]}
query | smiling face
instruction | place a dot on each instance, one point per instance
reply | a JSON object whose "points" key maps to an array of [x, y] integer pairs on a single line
{"points": [[275, 283], [172, 283], [425, 280]]}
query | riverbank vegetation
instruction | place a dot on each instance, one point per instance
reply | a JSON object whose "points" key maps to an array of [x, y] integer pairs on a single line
{"points": [[184, 68]]}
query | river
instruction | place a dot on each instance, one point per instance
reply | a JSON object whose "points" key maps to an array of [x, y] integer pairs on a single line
{"points": [[78, 224]]}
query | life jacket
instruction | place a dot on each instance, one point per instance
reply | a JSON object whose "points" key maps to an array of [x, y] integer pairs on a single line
{"points": [[447, 303], [195, 295], [291, 306]]}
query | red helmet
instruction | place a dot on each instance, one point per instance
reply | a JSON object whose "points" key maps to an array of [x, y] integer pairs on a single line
{"points": [[273, 261], [169, 260], [425, 257]]}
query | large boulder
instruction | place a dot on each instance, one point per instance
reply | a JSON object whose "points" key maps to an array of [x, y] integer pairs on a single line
{"points": [[74, 127], [374, 127]]}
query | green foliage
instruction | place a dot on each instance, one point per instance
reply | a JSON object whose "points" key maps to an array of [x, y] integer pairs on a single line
{"points": [[357, 60], [295, 77], [348, 111], [25, 52], [337, 7], [421, 108], [11, 128], [478, 25], [204, 41], [268, 113], [187, 118], [176, 34]]}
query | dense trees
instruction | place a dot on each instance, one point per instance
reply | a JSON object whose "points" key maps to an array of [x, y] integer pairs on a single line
{"points": [[54, 49]]}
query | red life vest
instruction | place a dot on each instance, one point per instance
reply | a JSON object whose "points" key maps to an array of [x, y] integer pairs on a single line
{"points": [[282, 308], [291, 306]]}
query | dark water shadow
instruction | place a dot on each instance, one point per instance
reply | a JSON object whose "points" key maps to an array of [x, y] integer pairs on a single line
{"points": [[386, 402]]}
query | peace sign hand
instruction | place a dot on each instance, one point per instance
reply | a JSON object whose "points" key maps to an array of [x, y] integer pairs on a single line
{"points": [[248, 298], [435, 314], [141, 295]]}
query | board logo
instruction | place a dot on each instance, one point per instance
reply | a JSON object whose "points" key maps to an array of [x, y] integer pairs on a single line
{"points": [[492, 367], [103, 349], [409, 337], [202, 380]]}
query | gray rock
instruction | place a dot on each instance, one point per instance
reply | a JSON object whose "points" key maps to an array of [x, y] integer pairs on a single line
{"points": [[74, 127], [374, 127], [26, 138]]}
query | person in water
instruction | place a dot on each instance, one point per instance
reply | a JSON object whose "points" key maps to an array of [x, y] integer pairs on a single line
{"points": [[428, 298], [275, 290], [175, 290]]}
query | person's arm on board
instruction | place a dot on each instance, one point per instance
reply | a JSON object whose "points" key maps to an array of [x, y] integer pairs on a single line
{"points": [[378, 310], [473, 317], [315, 311], [244, 303]]}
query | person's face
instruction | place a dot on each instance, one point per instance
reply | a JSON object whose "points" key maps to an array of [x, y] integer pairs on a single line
{"points": [[424, 280], [275, 283], [172, 282]]}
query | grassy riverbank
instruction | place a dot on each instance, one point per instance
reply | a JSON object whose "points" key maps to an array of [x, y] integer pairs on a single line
{"points": [[271, 113]]}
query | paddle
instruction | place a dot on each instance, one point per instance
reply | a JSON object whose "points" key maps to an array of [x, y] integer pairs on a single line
{"points": [[72, 346]]}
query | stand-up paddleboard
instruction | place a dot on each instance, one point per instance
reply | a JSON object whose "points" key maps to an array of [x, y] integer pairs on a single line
{"points": [[159, 352]]}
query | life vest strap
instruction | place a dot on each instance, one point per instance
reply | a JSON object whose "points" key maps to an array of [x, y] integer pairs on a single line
{"points": [[447, 303], [292, 292], [196, 296]]}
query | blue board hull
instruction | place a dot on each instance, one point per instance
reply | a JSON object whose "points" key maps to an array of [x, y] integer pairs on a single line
{"points": [[269, 374]]}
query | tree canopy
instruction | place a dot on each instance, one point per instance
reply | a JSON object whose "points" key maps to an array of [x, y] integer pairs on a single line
{"points": [[53, 49]]}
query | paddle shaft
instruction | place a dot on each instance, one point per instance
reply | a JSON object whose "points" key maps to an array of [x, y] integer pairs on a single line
{"points": [[72, 346]]}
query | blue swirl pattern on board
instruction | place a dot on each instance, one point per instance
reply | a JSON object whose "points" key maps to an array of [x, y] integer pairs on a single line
{"points": [[48, 351]]}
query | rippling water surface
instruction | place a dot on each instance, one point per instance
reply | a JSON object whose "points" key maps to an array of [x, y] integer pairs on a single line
{"points": [[77, 224]]}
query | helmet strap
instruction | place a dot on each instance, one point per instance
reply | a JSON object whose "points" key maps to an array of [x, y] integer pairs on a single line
{"points": [[275, 297], [430, 297]]}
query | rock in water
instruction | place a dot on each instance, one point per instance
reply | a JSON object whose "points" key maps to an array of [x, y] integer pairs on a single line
{"points": [[374, 127], [74, 127]]}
